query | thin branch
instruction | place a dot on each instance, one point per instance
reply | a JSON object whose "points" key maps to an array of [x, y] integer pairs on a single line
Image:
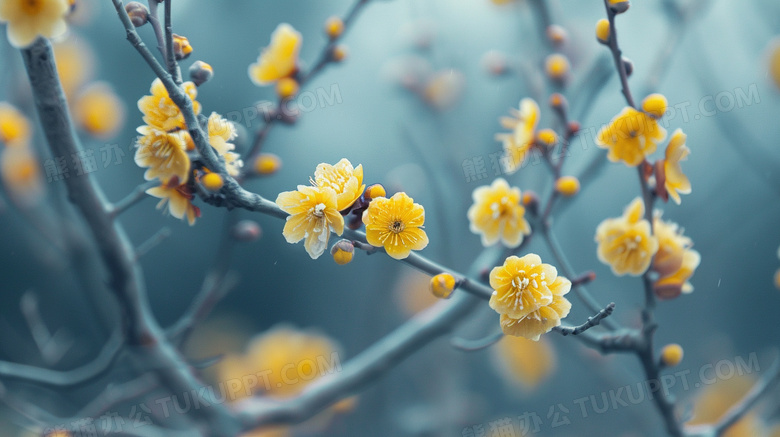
{"points": [[617, 56], [215, 288], [138, 194], [67, 378], [170, 59], [154, 20], [115, 394], [591, 322], [152, 242], [478, 344], [363, 369]]}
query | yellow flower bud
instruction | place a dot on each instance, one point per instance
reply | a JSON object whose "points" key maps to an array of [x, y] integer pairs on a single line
{"points": [[181, 47], [343, 252], [334, 27], [557, 67], [212, 182], [619, 6], [374, 191], [671, 355], [557, 34], [442, 285], [138, 13], [200, 72], [602, 31], [339, 53], [530, 199], [267, 164], [567, 185], [287, 87], [557, 101], [655, 105], [546, 137]]}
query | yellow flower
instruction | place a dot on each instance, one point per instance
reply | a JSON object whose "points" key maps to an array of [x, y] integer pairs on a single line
{"points": [[21, 175], [164, 154], [178, 199], [522, 285], [395, 223], [220, 132], [672, 285], [676, 182], [159, 110], [313, 215], [715, 401], [541, 321], [99, 111], [523, 124], [28, 19], [528, 363], [75, 63], [626, 243], [497, 214], [345, 180], [630, 137], [14, 126], [279, 59], [671, 246]]}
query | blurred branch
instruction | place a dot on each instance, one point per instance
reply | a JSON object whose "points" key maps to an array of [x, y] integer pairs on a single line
{"points": [[137, 195], [63, 378], [478, 344], [152, 242], [115, 394], [366, 367], [215, 287]]}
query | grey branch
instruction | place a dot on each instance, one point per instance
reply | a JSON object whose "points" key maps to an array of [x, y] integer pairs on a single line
{"points": [[137, 195], [478, 344], [591, 322], [72, 377], [371, 364]]}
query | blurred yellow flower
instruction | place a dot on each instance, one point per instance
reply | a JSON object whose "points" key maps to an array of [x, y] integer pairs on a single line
{"points": [[522, 285], [21, 175], [630, 137], [178, 200], [523, 124], [75, 63], [497, 214], [676, 182], [164, 154], [625, 243], [345, 180], [15, 128], [159, 110], [715, 400], [528, 363], [99, 111], [395, 224], [541, 321], [313, 215], [672, 285], [279, 59], [29, 19], [220, 132]]}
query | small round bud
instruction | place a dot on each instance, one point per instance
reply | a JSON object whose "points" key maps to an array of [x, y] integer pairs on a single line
{"points": [[442, 285], [629, 66], [494, 62], [374, 191], [655, 105], [181, 47], [777, 279], [200, 72], [212, 182], [287, 87], [557, 34], [267, 164], [343, 252], [546, 137], [339, 53], [557, 67], [573, 127], [334, 27], [619, 6], [567, 185], [138, 13], [671, 355], [246, 231], [557, 101], [530, 201], [602, 31]]}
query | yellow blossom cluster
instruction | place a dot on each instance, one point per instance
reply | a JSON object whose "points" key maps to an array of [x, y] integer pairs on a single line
{"points": [[393, 223], [630, 137], [165, 144], [529, 296], [498, 215], [518, 142], [626, 243]]}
